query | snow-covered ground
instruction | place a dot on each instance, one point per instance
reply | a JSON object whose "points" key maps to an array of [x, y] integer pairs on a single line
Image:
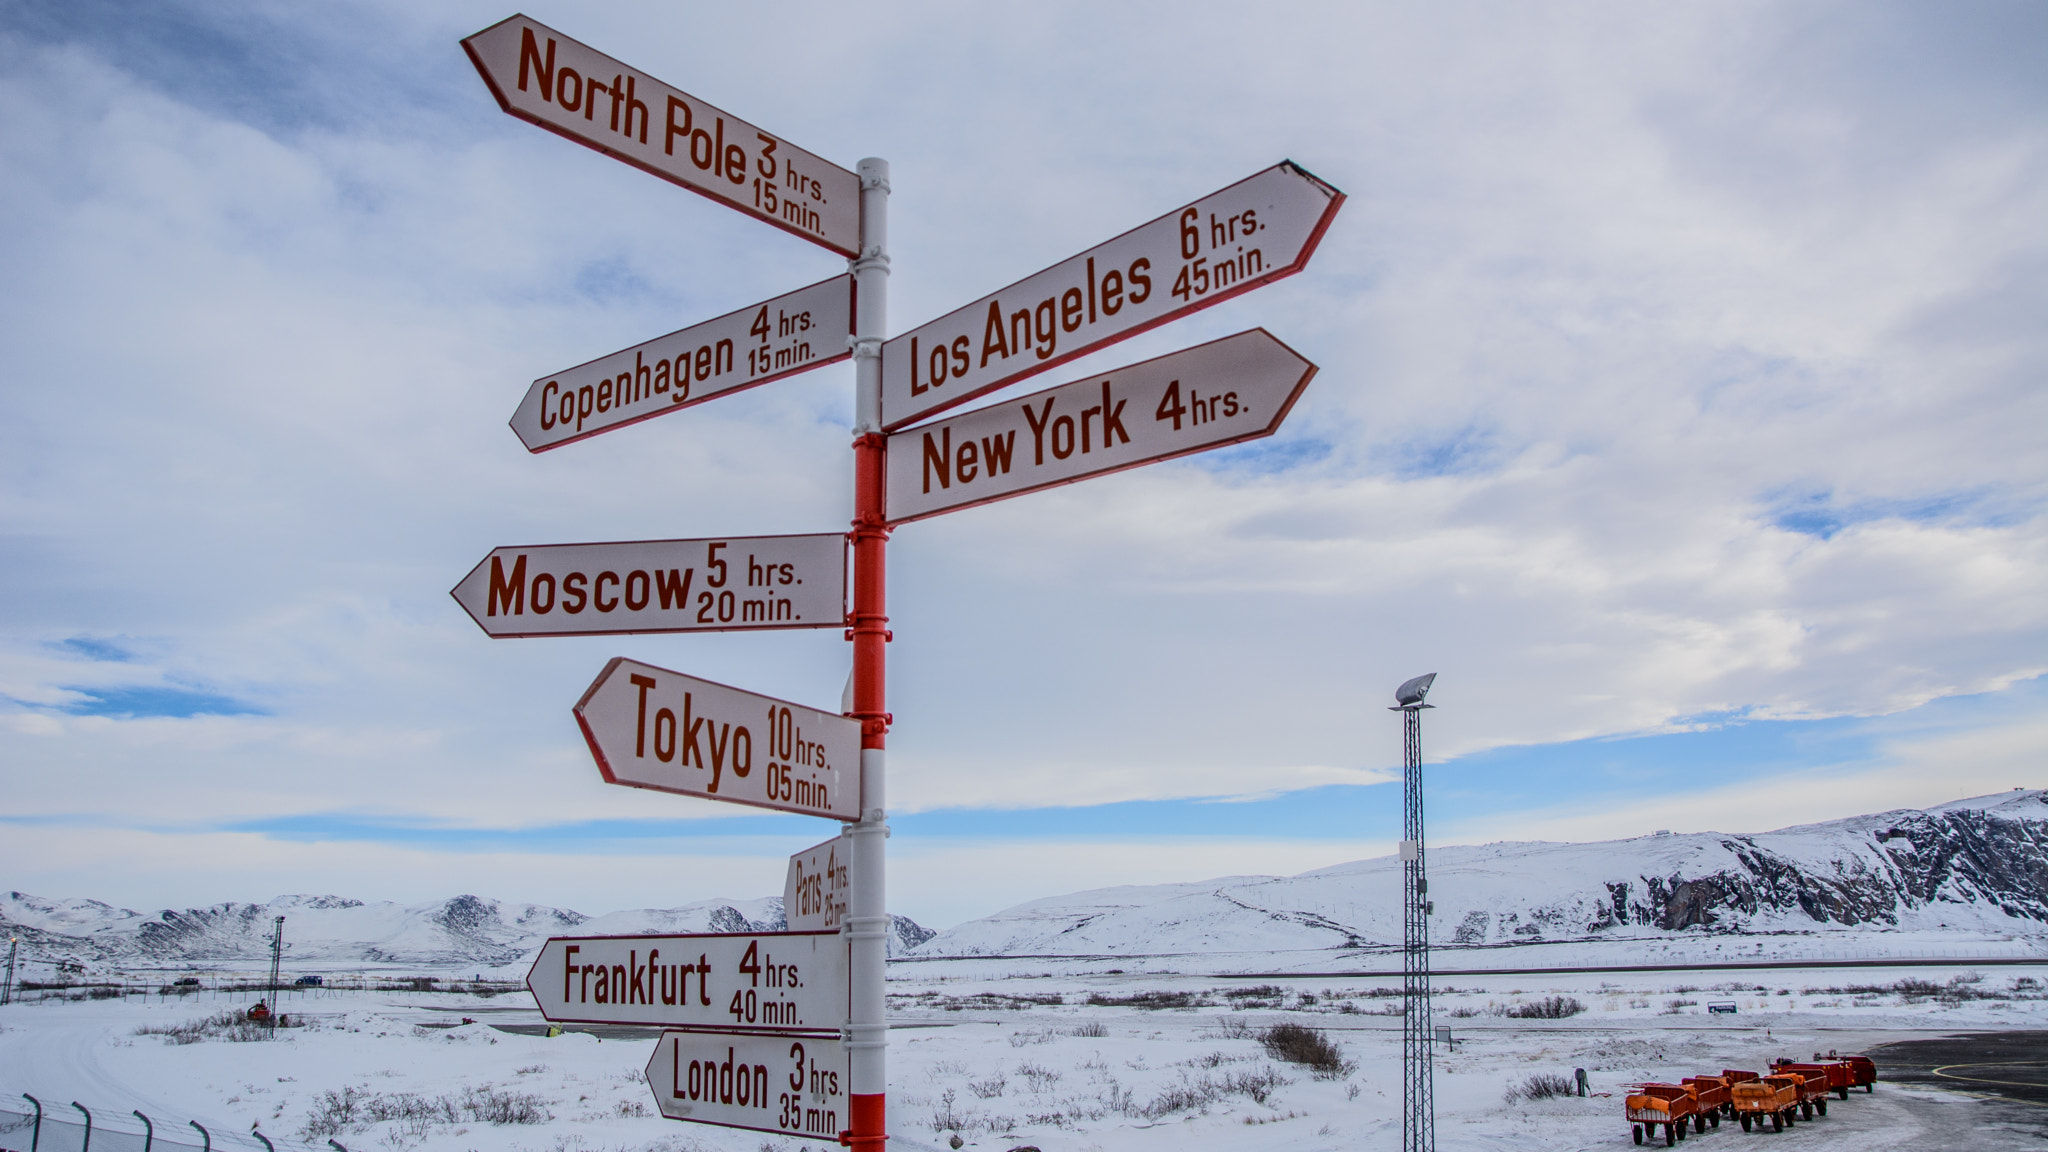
{"points": [[1015, 1058]]}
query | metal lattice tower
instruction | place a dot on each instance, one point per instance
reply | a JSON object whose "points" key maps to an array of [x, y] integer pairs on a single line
{"points": [[1418, 1096], [276, 957]]}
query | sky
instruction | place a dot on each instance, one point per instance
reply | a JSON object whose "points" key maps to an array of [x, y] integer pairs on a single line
{"points": [[1681, 404]]}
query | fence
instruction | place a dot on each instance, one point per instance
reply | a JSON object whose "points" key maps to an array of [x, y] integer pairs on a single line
{"points": [[241, 991], [65, 1128]]}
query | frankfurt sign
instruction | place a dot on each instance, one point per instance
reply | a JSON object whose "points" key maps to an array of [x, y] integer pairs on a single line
{"points": [[738, 583], [572, 89], [1230, 242], [648, 727], [1223, 392], [747, 981]]}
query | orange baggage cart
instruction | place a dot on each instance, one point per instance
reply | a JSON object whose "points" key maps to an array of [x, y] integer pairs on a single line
{"points": [[1772, 1100], [1649, 1105], [1712, 1094], [1839, 1074], [1813, 1086]]}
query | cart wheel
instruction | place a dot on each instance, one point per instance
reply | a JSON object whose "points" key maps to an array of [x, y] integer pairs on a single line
{"points": [[1680, 1129], [1777, 1121], [1636, 1130], [1843, 1092], [1869, 1088], [1670, 1135], [1714, 1118], [1745, 1121], [1821, 1105], [1699, 1122], [1806, 1109]]}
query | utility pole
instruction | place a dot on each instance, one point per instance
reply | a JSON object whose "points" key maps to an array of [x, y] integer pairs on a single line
{"points": [[276, 955], [7, 989], [1418, 1092]]}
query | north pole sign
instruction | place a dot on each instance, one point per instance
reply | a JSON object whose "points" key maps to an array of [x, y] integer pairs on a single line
{"points": [[733, 583], [545, 78], [793, 1085], [1223, 392], [774, 981], [1225, 244], [648, 727], [791, 333]]}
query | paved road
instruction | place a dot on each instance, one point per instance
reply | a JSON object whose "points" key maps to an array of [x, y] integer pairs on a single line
{"points": [[2008, 1065], [1984, 1090]]}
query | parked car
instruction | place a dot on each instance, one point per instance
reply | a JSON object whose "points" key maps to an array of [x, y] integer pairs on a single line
{"points": [[307, 982]]}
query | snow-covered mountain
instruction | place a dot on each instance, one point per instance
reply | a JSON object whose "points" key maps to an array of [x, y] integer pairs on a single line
{"points": [[1975, 866], [465, 931]]}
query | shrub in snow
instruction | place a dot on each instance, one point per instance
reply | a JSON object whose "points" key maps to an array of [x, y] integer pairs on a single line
{"points": [[1541, 1086], [1299, 1044], [1550, 1008]]}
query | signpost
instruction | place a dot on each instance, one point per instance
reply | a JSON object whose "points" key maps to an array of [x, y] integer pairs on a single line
{"points": [[1225, 244], [792, 333], [815, 891], [1224, 392], [734, 583], [741, 1007], [571, 89], [795, 1085], [649, 727], [732, 982]]}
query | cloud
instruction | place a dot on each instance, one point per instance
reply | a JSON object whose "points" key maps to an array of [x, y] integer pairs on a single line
{"points": [[1679, 371]]}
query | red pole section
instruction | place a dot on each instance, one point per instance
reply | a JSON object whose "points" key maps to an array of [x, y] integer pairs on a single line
{"points": [[867, 923], [869, 620]]}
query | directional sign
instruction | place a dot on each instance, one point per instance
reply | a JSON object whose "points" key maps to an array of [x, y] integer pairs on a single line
{"points": [[792, 1085], [792, 333], [1229, 390], [649, 727], [722, 585], [543, 77], [819, 884], [1233, 241], [744, 982]]}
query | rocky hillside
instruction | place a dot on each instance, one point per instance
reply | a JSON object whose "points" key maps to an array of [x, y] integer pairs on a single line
{"points": [[1974, 866], [331, 931]]}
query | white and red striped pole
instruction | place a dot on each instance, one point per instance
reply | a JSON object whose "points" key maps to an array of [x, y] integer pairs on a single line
{"points": [[868, 926]]}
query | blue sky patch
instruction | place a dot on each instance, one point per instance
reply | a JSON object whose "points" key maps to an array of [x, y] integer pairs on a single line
{"points": [[154, 701], [92, 649]]}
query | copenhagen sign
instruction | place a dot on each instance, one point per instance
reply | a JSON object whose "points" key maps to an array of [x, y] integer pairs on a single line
{"points": [[1225, 244], [736, 583], [572, 89], [792, 333], [1223, 392], [648, 727], [773, 981]]}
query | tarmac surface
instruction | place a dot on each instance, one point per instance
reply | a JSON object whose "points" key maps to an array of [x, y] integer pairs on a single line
{"points": [[2003, 1074]]}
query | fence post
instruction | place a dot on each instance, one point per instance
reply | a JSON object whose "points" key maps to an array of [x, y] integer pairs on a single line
{"points": [[204, 1135], [87, 1146], [148, 1130], [35, 1137], [258, 1133]]}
